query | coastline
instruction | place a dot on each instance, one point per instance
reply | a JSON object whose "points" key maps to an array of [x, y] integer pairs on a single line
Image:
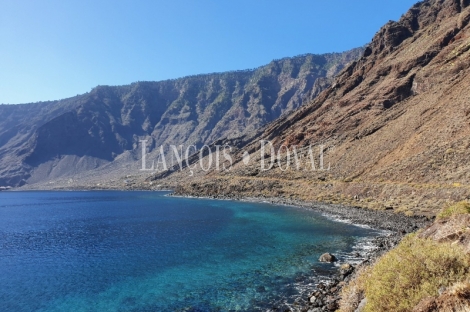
{"points": [[376, 219], [325, 295]]}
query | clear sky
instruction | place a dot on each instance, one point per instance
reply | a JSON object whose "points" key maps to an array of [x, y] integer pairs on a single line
{"points": [[53, 49]]}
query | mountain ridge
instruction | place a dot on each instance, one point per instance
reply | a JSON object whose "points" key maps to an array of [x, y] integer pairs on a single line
{"points": [[394, 125], [47, 140]]}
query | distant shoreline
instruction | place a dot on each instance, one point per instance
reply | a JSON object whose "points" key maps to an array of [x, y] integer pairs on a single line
{"points": [[376, 219]]}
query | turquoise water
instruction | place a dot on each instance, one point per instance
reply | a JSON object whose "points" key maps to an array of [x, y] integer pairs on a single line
{"points": [[143, 251]]}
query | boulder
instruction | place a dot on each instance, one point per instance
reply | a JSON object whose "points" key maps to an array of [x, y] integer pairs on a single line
{"points": [[327, 257], [345, 270], [332, 306]]}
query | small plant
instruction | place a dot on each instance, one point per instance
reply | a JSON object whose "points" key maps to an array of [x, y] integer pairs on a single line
{"points": [[459, 208], [409, 213]]}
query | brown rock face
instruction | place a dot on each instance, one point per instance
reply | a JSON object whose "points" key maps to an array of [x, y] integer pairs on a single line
{"points": [[395, 124], [455, 230]]}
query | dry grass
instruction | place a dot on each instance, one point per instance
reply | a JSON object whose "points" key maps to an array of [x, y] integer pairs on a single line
{"points": [[455, 299], [459, 208], [461, 290], [399, 280]]}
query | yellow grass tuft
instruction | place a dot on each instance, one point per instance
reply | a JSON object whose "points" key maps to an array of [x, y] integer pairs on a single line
{"points": [[459, 208]]}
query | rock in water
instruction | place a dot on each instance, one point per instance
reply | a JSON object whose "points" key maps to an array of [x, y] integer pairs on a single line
{"points": [[327, 257]]}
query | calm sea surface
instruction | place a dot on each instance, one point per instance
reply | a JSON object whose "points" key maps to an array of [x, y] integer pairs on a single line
{"points": [[144, 251]]}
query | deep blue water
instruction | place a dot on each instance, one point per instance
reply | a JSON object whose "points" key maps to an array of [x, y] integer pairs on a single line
{"points": [[143, 251]]}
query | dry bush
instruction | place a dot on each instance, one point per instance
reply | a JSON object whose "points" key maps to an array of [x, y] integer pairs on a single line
{"points": [[416, 269]]}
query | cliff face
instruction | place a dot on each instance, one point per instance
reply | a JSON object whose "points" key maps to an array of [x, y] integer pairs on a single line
{"points": [[395, 123], [64, 138]]}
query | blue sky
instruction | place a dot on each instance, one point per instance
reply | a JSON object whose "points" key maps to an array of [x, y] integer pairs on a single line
{"points": [[54, 49]]}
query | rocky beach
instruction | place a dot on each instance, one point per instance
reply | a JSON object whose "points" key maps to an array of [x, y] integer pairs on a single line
{"points": [[325, 295]]}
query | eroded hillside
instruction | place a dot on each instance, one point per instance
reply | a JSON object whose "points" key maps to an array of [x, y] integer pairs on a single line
{"points": [[62, 139], [395, 125]]}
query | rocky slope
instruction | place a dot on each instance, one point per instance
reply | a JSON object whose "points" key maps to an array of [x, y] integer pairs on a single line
{"points": [[47, 140], [395, 125]]}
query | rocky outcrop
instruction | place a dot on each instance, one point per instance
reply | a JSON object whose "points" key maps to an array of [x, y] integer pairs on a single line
{"points": [[454, 230]]}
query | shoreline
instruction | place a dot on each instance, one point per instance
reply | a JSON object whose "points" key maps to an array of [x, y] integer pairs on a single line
{"points": [[325, 295], [375, 219]]}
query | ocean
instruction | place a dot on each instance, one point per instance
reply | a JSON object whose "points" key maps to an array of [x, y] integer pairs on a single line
{"points": [[145, 251]]}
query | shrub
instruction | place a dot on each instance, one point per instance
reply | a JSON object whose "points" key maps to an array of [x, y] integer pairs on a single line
{"points": [[459, 208], [415, 269]]}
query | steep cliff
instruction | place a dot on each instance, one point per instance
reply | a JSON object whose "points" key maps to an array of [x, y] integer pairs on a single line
{"points": [[63, 138], [395, 124]]}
